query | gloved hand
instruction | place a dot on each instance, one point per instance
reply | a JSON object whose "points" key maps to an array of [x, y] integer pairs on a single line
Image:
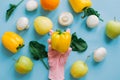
{"points": [[57, 62]]}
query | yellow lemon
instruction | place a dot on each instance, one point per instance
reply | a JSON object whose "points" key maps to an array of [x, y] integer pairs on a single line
{"points": [[42, 25], [79, 69]]}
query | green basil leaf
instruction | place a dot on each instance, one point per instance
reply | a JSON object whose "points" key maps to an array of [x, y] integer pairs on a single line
{"points": [[37, 50], [78, 44], [11, 9]]}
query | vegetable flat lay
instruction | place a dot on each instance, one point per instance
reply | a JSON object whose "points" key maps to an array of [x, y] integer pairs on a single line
{"points": [[59, 40]]}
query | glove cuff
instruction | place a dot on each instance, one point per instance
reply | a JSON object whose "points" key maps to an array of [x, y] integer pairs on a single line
{"points": [[56, 73]]}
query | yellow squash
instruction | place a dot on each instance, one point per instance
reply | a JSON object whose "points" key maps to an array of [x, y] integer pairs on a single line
{"points": [[60, 41], [12, 41], [79, 5]]}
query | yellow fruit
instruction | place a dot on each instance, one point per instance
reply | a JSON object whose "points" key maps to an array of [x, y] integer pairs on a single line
{"points": [[23, 65], [42, 25], [79, 69]]}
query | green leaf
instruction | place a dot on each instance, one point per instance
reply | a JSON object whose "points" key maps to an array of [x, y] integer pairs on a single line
{"points": [[78, 44], [38, 51], [91, 11], [11, 9]]}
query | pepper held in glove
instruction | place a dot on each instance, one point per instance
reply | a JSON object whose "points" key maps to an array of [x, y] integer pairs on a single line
{"points": [[60, 41], [57, 60]]}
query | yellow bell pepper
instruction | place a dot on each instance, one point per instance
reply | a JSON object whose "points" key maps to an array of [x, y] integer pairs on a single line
{"points": [[79, 5], [60, 41], [12, 41]]}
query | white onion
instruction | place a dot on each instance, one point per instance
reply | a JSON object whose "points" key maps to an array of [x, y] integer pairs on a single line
{"points": [[99, 54], [92, 21]]}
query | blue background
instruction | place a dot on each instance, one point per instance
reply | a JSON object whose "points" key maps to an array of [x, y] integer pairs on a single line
{"points": [[109, 69]]}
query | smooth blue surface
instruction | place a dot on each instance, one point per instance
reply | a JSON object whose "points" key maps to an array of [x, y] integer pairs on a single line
{"points": [[109, 69]]}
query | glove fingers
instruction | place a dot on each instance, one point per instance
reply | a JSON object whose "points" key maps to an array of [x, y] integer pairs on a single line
{"points": [[51, 31], [68, 30]]}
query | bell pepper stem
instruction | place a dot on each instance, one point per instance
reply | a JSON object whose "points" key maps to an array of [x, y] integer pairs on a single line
{"points": [[60, 32], [115, 19], [44, 64], [20, 46]]}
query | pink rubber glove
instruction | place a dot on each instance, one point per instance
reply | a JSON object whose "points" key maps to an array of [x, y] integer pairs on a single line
{"points": [[57, 62]]}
